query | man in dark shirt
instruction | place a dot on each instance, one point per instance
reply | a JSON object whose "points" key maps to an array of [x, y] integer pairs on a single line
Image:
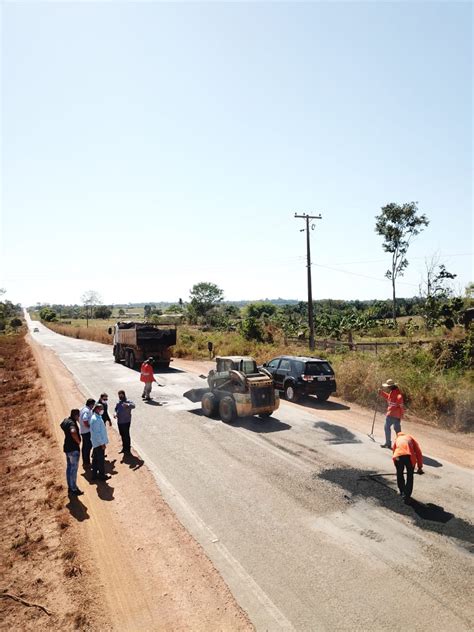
{"points": [[104, 400], [72, 441], [123, 415]]}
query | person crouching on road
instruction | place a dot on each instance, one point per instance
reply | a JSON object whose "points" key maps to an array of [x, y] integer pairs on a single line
{"points": [[123, 415], [147, 377], [72, 443], [406, 454], [99, 440], [84, 426], [395, 409]]}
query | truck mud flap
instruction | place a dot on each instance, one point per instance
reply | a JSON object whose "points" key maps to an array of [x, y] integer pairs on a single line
{"points": [[195, 394]]}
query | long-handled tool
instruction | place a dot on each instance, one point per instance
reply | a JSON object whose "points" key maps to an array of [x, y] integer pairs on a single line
{"points": [[371, 435]]}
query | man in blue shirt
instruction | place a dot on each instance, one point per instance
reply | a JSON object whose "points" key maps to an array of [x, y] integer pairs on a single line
{"points": [[123, 415], [99, 440]]}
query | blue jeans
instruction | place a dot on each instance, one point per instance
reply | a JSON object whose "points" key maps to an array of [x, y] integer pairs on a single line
{"points": [[71, 469], [389, 422]]}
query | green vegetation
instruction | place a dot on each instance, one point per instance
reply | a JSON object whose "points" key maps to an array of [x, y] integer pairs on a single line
{"points": [[433, 362], [10, 315]]}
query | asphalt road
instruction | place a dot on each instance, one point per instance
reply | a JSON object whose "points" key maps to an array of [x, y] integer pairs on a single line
{"points": [[300, 515]]}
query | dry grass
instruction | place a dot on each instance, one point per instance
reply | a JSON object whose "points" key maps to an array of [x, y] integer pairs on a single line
{"points": [[94, 333]]}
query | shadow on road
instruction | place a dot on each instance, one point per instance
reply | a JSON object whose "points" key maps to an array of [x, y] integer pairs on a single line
{"points": [[133, 462], [110, 467], [152, 402], [431, 462], [312, 402], [77, 509], [431, 512], [104, 491], [429, 517], [338, 434], [254, 424]]}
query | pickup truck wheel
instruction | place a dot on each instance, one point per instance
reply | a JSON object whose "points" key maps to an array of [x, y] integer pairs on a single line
{"points": [[209, 404], [290, 392], [227, 410], [323, 398]]}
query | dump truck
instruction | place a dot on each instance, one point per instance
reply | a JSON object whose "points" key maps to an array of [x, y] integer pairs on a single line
{"points": [[135, 342], [236, 388]]}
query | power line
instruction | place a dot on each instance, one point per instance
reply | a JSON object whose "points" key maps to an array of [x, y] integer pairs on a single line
{"points": [[349, 263], [365, 276]]}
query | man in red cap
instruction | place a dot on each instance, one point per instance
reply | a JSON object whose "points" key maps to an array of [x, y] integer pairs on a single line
{"points": [[406, 454], [147, 377]]}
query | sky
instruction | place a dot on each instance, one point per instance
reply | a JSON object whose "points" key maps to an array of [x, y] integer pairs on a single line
{"points": [[149, 146]]}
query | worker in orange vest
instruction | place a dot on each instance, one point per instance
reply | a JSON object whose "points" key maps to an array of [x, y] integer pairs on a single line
{"points": [[406, 454], [147, 377], [395, 409]]}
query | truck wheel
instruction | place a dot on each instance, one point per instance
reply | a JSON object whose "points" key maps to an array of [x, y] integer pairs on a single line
{"points": [[116, 355], [227, 410], [131, 360], [323, 398], [209, 404], [265, 415], [291, 393]]}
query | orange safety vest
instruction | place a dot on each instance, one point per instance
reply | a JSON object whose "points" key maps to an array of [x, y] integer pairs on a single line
{"points": [[406, 445], [146, 373], [395, 403]]}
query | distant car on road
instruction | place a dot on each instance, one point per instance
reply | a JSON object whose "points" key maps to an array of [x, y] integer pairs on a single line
{"points": [[35, 330], [299, 375]]}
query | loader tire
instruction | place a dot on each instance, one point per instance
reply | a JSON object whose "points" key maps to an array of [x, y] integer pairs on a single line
{"points": [[209, 404], [227, 410]]}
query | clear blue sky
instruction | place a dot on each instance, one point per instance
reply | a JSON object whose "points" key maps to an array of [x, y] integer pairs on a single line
{"points": [[147, 146]]}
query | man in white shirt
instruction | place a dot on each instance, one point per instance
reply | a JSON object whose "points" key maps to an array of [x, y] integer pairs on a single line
{"points": [[84, 428]]}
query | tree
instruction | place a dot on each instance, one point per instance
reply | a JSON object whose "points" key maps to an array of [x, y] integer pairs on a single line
{"points": [[90, 299], [15, 323], [121, 312], [204, 296], [47, 314], [437, 308], [398, 224], [103, 312]]}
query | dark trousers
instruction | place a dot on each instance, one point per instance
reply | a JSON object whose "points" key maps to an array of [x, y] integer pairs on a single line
{"points": [[401, 463], [124, 430], [86, 448], [98, 462]]}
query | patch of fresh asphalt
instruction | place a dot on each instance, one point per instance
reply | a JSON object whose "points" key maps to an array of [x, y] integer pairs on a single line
{"points": [[301, 516]]}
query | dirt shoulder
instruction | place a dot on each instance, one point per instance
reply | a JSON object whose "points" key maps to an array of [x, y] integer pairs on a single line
{"points": [[43, 560], [151, 574], [457, 448]]}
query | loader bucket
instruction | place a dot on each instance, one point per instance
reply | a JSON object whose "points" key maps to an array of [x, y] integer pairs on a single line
{"points": [[195, 394]]}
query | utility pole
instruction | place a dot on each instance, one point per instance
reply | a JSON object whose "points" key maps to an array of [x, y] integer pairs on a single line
{"points": [[307, 217]]}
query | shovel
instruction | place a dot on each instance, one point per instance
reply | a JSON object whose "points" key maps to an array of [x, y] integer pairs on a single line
{"points": [[371, 435]]}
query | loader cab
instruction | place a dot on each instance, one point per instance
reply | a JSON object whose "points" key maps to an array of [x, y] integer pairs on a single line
{"points": [[244, 364]]}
